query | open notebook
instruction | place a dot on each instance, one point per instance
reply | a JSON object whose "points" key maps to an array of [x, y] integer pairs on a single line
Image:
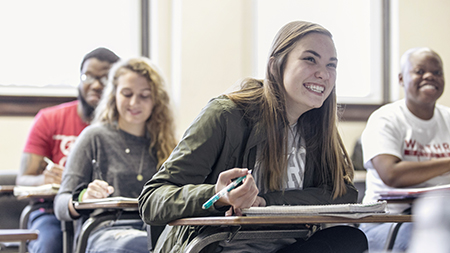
{"points": [[110, 199], [346, 210], [110, 202]]}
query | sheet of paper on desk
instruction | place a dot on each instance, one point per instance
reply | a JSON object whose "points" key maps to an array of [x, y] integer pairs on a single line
{"points": [[413, 191], [46, 189], [335, 210], [110, 199]]}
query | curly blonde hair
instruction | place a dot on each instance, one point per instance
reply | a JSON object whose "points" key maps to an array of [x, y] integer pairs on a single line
{"points": [[160, 124]]}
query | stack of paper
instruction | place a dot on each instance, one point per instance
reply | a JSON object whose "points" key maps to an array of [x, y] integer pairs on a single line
{"points": [[409, 193], [42, 190], [375, 207]]}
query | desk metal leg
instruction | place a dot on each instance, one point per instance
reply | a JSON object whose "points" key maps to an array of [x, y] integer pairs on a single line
{"points": [[216, 234], [90, 224], [24, 217], [68, 233], [392, 235]]}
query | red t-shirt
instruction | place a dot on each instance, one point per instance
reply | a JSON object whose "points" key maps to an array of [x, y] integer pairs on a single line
{"points": [[54, 131]]}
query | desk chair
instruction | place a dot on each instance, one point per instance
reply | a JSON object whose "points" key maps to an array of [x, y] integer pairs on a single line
{"points": [[16, 235], [10, 206], [98, 220], [35, 202], [360, 184], [113, 211], [215, 229], [211, 235]]}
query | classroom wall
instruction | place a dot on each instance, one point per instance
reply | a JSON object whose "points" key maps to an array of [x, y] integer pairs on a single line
{"points": [[212, 51]]}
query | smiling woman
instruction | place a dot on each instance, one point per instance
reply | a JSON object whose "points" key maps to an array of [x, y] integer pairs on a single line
{"points": [[310, 74], [360, 53], [281, 130], [132, 135], [134, 102]]}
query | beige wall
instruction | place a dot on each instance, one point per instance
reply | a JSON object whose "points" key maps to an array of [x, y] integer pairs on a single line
{"points": [[213, 52], [13, 134], [425, 23]]}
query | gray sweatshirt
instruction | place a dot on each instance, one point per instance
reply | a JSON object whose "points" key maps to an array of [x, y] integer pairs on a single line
{"points": [[103, 152]]}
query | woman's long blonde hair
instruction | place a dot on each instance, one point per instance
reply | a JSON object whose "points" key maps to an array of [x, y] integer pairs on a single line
{"points": [[160, 124], [264, 102]]}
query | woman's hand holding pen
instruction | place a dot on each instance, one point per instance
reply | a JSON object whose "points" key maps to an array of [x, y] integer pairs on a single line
{"points": [[240, 197], [98, 189]]}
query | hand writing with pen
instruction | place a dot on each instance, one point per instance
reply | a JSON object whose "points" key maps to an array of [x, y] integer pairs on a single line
{"points": [[97, 189], [243, 196], [53, 172]]}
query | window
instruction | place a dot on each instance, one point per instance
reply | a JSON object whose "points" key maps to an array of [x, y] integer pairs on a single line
{"points": [[357, 28], [43, 42]]}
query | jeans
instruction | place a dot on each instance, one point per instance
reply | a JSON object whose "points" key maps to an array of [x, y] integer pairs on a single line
{"points": [[377, 236], [131, 238], [50, 234]]}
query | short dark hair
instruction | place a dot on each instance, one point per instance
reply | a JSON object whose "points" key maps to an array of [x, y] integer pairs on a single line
{"points": [[102, 54]]}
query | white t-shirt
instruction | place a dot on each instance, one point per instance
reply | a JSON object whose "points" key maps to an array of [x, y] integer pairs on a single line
{"points": [[296, 163], [394, 130]]}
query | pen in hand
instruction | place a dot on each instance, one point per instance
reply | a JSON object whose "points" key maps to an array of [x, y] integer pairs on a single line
{"points": [[52, 173], [97, 179], [97, 169], [49, 162], [224, 191]]}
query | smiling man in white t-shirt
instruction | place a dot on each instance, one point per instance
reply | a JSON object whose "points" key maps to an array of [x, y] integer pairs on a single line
{"points": [[407, 143]]}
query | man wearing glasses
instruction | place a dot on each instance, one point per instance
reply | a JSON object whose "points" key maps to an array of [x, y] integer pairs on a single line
{"points": [[53, 132]]}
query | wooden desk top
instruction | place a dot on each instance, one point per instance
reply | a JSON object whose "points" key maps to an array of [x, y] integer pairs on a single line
{"points": [[274, 220], [7, 188], [37, 196], [46, 192], [13, 235]]}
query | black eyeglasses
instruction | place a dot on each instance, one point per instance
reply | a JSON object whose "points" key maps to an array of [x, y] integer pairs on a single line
{"points": [[88, 79]]}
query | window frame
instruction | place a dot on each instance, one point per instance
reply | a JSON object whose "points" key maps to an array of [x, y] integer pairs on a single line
{"points": [[29, 105], [20, 105]]}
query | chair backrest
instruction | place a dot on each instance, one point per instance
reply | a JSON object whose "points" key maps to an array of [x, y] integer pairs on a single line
{"points": [[358, 164], [10, 206]]}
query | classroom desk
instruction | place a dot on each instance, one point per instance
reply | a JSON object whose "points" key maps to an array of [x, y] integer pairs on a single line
{"points": [[9, 189], [113, 210], [15, 235], [37, 201], [261, 227]]}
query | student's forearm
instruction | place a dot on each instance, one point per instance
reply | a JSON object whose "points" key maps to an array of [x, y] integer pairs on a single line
{"points": [[30, 171], [406, 173], [30, 180]]}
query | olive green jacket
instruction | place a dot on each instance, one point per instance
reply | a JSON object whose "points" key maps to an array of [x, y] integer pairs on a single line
{"points": [[220, 138]]}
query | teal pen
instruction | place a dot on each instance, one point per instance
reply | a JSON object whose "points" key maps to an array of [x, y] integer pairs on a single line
{"points": [[224, 191]]}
